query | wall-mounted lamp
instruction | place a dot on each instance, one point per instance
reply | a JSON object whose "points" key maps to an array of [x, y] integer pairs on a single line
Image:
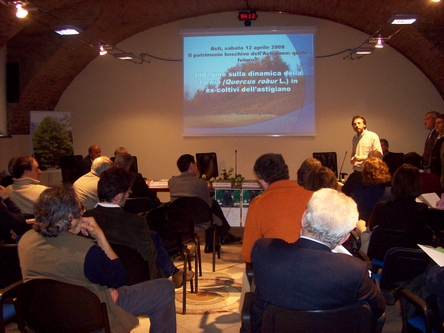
{"points": [[22, 7], [67, 30]]}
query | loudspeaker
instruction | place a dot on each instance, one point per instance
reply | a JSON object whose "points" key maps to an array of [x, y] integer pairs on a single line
{"points": [[12, 82]]}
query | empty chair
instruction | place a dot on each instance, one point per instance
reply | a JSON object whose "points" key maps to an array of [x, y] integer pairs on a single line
{"points": [[176, 229], [199, 211], [45, 305]]}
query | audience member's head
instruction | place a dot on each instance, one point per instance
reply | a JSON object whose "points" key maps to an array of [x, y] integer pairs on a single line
{"points": [[329, 217], [184, 161], [375, 153], [94, 152], [113, 182], [120, 150], [319, 178], [414, 159], [11, 165], [375, 171], [123, 160], [26, 166], [101, 164], [429, 120], [384, 146], [55, 209], [406, 182], [308, 165], [271, 168], [439, 124]]}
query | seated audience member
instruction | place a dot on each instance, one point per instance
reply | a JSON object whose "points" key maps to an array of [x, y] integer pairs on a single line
{"points": [[53, 250], [12, 221], [8, 180], [319, 178], [375, 175], [429, 181], [308, 165], [139, 188], [86, 186], [277, 212], [403, 213], [435, 286], [188, 184], [26, 188], [85, 164], [393, 160], [307, 275], [131, 229]]}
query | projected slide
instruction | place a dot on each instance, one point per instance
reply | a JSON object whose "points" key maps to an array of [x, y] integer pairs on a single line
{"points": [[255, 84]]}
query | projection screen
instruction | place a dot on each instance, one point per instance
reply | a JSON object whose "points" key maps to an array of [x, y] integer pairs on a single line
{"points": [[250, 81]]}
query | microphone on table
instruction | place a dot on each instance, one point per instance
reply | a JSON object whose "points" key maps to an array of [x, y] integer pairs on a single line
{"points": [[235, 162], [340, 170]]}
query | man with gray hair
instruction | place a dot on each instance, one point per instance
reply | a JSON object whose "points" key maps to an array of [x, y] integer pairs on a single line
{"points": [[307, 275], [429, 124], [86, 186]]}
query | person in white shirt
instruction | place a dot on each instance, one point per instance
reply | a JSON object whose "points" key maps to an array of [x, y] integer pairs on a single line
{"points": [[26, 188]]}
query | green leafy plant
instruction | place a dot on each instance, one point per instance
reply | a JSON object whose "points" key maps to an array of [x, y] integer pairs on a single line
{"points": [[227, 176]]}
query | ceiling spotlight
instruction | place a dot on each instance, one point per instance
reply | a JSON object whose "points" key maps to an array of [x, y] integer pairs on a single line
{"points": [[67, 30], [403, 19], [21, 12], [102, 50], [124, 56], [379, 44]]}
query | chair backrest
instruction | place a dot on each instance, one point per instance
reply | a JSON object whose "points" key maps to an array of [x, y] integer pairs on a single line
{"points": [[196, 208], [173, 225], [329, 160], [354, 318], [46, 305], [207, 164], [136, 267], [401, 265], [383, 239], [10, 271], [69, 167], [138, 205]]}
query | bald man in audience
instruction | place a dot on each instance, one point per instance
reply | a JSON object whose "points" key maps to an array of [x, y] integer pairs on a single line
{"points": [[26, 188], [94, 151], [86, 186]]}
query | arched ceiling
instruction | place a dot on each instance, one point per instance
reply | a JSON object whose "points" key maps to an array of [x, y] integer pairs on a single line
{"points": [[49, 62]]}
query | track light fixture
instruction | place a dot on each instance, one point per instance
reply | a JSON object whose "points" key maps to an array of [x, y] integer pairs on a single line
{"points": [[379, 44], [21, 12], [102, 50]]}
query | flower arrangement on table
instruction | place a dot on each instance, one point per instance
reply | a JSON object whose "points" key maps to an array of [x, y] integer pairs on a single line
{"points": [[227, 176]]}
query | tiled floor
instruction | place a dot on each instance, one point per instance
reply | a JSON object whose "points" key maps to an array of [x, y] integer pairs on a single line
{"points": [[231, 265]]}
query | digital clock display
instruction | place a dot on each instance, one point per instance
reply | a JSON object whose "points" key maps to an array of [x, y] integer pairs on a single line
{"points": [[247, 15]]}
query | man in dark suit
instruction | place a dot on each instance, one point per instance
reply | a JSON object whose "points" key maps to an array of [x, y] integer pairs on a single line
{"points": [[307, 274], [429, 123], [129, 229]]}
